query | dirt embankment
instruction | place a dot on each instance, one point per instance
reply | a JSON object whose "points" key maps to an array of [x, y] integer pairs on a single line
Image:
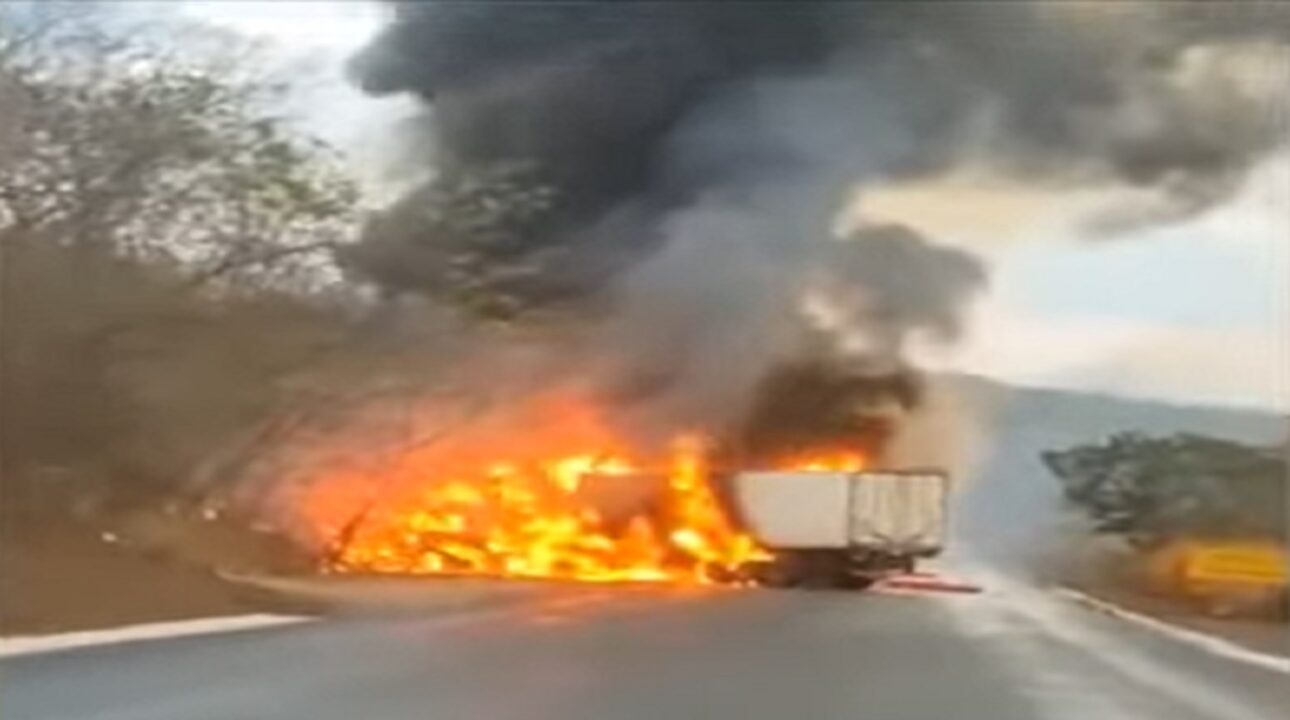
{"points": [[1110, 571], [61, 574], [72, 579]]}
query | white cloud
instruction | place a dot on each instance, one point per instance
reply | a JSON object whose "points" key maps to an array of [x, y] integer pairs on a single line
{"points": [[342, 26], [974, 208], [1239, 366], [1189, 312], [309, 42]]}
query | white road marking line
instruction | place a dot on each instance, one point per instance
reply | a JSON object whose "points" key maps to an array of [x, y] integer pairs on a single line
{"points": [[1210, 643], [30, 644], [1058, 691], [1055, 620]]}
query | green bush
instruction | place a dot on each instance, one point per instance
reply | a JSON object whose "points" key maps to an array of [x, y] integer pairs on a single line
{"points": [[1154, 488]]}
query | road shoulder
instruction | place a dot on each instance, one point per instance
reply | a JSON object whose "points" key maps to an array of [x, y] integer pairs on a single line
{"points": [[1269, 649]]}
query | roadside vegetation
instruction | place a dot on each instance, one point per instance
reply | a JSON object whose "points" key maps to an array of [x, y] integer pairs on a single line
{"points": [[167, 250], [167, 240], [1153, 489], [181, 294], [1203, 519]]}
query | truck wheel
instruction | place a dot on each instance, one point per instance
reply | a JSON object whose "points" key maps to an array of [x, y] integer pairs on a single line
{"points": [[776, 574], [824, 570], [856, 582], [821, 582]]}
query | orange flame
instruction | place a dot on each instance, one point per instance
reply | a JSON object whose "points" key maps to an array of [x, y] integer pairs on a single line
{"points": [[829, 460], [529, 511]]}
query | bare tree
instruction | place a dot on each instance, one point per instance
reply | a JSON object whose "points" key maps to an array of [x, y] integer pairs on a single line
{"points": [[163, 156], [164, 237]]}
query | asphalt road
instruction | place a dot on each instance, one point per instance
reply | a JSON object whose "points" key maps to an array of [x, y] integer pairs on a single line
{"points": [[1012, 652]]}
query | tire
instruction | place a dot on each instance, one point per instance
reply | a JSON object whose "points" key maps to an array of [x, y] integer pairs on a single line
{"points": [[857, 582], [824, 570], [777, 574]]}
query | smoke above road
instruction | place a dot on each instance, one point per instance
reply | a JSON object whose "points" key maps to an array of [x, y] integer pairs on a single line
{"points": [[671, 174]]}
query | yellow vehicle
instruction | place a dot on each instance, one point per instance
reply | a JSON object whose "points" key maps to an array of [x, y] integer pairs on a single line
{"points": [[1226, 576]]}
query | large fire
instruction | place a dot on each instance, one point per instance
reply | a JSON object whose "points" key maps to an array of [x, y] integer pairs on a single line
{"points": [[563, 498]]}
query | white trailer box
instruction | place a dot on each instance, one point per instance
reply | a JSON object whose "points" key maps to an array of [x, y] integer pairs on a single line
{"points": [[898, 513], [795, 510]]}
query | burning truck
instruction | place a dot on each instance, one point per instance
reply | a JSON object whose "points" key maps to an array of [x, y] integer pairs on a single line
{"points": [[553, 491], [669, 199], [841, 528], [685, 193]]}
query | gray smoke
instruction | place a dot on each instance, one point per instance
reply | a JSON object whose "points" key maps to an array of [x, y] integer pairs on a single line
{"points": [[673, 170], [579, 98]]}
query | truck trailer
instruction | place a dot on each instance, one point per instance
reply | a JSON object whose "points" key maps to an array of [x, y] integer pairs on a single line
{"points": [[841, 529]]}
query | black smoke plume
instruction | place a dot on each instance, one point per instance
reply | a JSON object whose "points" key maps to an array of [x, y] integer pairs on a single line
{"points": [[572, 101], [673, 170]]}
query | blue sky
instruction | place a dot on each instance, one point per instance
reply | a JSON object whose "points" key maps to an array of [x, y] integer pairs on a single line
{"points": [[1195, 312]]}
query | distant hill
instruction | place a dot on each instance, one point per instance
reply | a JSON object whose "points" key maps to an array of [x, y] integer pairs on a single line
{"points": [[1009, 509]]}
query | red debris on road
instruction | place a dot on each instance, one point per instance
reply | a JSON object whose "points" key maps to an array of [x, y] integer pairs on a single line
{"points": [[928, 582]]}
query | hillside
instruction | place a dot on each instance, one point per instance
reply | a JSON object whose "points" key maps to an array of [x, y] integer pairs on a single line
{"points": [[1010, 510]]}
